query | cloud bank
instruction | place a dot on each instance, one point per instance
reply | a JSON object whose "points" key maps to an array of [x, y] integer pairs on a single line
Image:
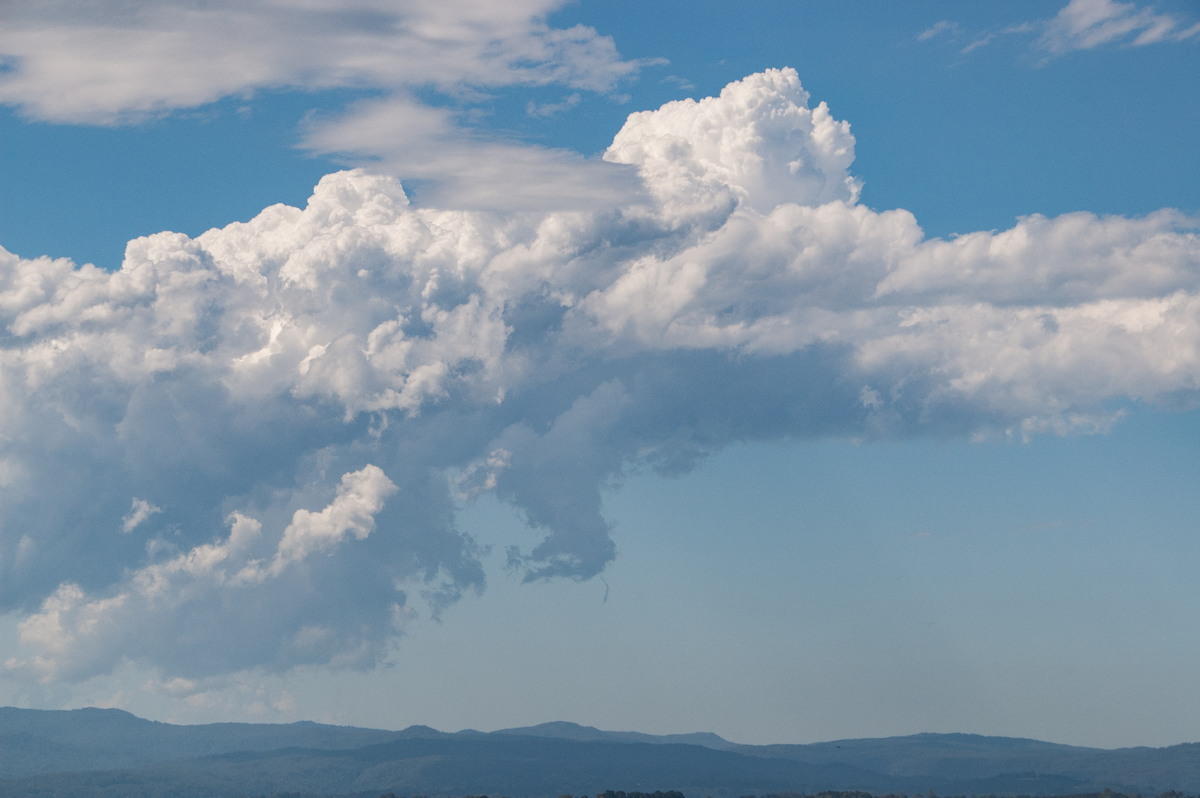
{"points": [[246, 450]]}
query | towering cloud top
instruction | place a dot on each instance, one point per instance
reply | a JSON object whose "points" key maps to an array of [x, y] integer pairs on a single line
{"points": [[758, 144], [260, 436]]}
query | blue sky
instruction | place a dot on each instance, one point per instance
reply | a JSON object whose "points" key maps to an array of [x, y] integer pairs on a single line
{"points": [[785, 423]]}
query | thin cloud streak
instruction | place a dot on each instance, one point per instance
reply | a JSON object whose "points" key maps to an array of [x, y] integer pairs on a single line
{"points": [[1080, 25], [1086, 24]]}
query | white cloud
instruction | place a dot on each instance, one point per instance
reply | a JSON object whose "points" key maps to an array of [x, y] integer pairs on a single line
{"points": [[73, 61], [376, 359], [1080, 25], [189, 601], [1086, 24], [138, 513], [937, 29], [399, 136], [757, 145], [360, 496]]}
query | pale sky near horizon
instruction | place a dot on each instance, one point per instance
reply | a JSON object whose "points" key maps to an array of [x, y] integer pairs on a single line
{"points": [[858, 400]]}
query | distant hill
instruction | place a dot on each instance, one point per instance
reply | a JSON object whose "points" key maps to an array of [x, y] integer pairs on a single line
{"points": [[50, 741], [94, 753], [561, 730]]}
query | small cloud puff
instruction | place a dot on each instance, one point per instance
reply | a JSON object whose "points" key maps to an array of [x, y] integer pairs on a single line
{"points": [[138, 513], [552, 109]]}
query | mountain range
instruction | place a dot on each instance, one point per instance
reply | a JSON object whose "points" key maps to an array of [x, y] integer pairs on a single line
{"points": [[109, 753]]}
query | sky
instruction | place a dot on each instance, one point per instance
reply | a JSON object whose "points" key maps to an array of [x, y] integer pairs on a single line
{"points": [[793, 371]]}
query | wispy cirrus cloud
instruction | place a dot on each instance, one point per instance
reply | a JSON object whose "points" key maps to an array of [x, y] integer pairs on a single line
{"points": [[1079, 25], [939, 28], [1086, 24]]}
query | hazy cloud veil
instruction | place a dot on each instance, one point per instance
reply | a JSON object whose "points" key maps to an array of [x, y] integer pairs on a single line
{"points": [[246, 450]]}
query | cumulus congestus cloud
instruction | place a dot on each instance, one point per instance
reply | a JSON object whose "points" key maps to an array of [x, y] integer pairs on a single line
{"points": [[246, 450]]}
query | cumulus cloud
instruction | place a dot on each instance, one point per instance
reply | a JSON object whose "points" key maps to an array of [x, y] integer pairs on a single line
{"points": [[757, 145], [306, 397], [213, 591]]}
